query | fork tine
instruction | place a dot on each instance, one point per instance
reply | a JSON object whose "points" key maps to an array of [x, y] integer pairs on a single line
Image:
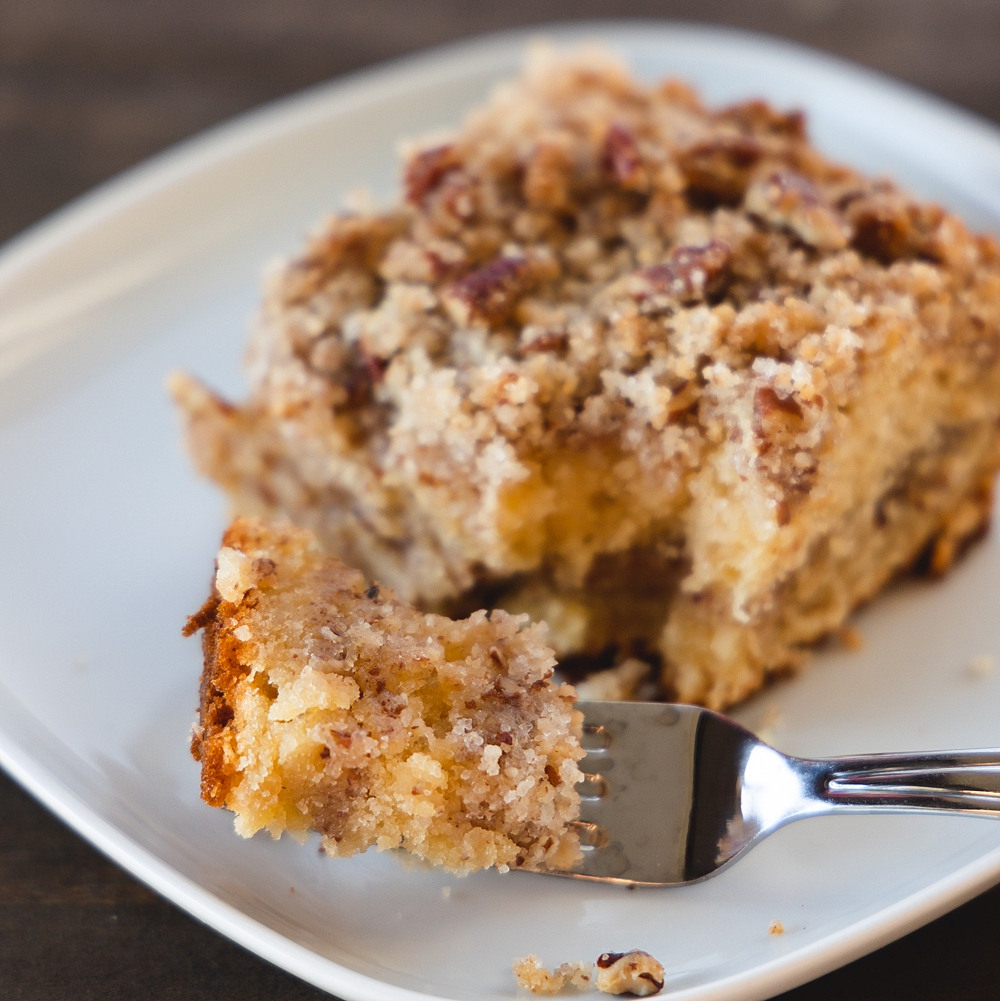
{"points": [[636, 801], [674, 793]]}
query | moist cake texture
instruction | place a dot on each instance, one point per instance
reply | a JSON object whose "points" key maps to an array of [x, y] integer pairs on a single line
{"points": [[659, 374], [328, 704]]}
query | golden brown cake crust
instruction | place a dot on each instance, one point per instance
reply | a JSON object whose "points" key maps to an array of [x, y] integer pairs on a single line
{"points": [[210, 738]]}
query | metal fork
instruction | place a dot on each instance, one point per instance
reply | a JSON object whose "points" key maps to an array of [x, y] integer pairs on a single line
{"points": [[675, 793]]}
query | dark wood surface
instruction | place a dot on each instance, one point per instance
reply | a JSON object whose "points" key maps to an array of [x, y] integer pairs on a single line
{"points": [[88, 87]]}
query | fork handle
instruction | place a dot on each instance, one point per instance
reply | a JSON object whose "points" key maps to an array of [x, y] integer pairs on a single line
{"points": [[942, 781]]}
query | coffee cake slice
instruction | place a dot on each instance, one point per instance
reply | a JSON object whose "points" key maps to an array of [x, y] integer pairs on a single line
{"points": [[328, 704], [660, 374]]}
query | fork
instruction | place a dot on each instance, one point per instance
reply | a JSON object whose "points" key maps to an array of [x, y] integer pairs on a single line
{"points": [[674, 793]]}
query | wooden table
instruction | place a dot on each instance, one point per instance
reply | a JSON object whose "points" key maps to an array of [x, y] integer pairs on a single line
{"points": [[88, 87]]}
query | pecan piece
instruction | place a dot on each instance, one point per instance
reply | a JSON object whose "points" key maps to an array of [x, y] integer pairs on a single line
{"points": [[427, 169], [490, 295], [689, 275], [355, 377], [882, 227], [767, 401], [760, 118], [634, 972], [888, 225], [776, 419], [622, 160], [785, 198], [777, 423], [719, 169], [547, 176]]}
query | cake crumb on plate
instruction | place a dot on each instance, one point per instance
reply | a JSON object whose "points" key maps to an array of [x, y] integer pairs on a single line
{"points": [[534, 977]]}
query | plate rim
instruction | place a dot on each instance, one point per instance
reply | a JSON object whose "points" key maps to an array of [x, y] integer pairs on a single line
{"points": [[269, 123]]}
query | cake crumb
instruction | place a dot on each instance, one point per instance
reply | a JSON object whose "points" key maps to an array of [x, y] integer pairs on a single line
{"points": [[981, 666], [850, 638], [445, 892], [534, 977], [635, 972], [236, 573], [776, 928], [616, 684]]}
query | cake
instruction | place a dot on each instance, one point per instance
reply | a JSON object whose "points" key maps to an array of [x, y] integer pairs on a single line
{"points": [[661, 375], [329, 705]]}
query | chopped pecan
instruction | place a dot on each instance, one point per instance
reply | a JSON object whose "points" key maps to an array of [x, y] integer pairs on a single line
{"points": [[719, 169], [767, 402], [427, 169], [882, 226], [490, 294], [760, 118], [785, 198], [777, 423], [622, 160], [786, 190], [634, 972], [776, 419], [358, 374], [889, 226], [547, 176], [451, 206], [689, 275]]}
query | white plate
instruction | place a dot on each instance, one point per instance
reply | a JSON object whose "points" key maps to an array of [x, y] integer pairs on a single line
{"points": [[108, 541]]}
